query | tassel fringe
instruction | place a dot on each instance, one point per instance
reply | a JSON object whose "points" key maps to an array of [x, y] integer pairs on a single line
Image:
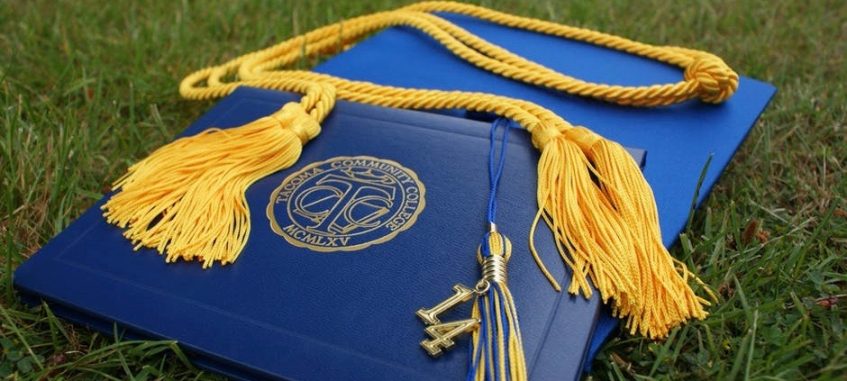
{"points": [[669, 300], [602, 213], [178, 200]]}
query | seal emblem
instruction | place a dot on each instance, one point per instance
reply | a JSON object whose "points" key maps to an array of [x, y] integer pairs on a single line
{"points": [[346, 203]]}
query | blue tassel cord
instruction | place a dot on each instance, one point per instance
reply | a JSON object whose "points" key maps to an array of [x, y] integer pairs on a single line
{"points": [[497, 349]]}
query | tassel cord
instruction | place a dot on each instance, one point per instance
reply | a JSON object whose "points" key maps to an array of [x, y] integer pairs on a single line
{"points": [[706, 76], [496, 166]]}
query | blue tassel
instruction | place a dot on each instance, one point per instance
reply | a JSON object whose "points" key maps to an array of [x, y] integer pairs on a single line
{"points": [[497, 350]]}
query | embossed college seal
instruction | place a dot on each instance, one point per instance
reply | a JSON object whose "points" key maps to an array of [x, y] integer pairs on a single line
{"points": [[346, 203]]}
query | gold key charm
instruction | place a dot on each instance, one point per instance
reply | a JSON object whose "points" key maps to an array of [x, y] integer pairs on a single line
{"points": [[430, 316], [443, 334]]}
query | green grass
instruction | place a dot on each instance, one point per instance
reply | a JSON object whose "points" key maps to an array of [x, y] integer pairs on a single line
{"points": [[88, 87]]}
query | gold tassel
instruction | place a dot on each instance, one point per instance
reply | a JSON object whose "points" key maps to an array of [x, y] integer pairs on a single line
{"points": [[187, 199], [591, 238], [602, 211], [669, 301]]}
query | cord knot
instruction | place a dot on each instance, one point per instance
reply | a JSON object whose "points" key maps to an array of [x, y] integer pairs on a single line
{"points": [[583, 137], [715, 80], [294, 118], [541, 135]]}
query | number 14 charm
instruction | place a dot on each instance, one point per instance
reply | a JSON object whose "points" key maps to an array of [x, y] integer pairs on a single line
{"points": [[443, 334]]}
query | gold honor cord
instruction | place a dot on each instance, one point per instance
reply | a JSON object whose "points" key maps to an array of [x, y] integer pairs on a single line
{"points": [[187, 199]]}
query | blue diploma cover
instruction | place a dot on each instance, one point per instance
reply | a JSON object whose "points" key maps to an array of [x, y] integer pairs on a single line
{"points": [[288, 310]]}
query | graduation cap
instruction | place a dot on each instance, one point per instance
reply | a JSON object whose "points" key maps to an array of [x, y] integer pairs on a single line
{"points": [[187, 199]]}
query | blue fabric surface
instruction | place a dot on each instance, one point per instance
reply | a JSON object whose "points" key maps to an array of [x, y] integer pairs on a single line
{"points": [[284, 312], [679, 139]]}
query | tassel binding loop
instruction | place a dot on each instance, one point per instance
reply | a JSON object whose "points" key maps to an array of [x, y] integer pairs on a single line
{"points": [[497, 352], [187, 199]]}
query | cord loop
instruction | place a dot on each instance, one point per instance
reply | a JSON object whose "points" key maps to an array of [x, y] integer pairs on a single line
{"points": [[715, 80]]}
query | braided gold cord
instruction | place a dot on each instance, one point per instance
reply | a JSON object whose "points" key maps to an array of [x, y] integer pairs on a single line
{"points": [[705, 75]]}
